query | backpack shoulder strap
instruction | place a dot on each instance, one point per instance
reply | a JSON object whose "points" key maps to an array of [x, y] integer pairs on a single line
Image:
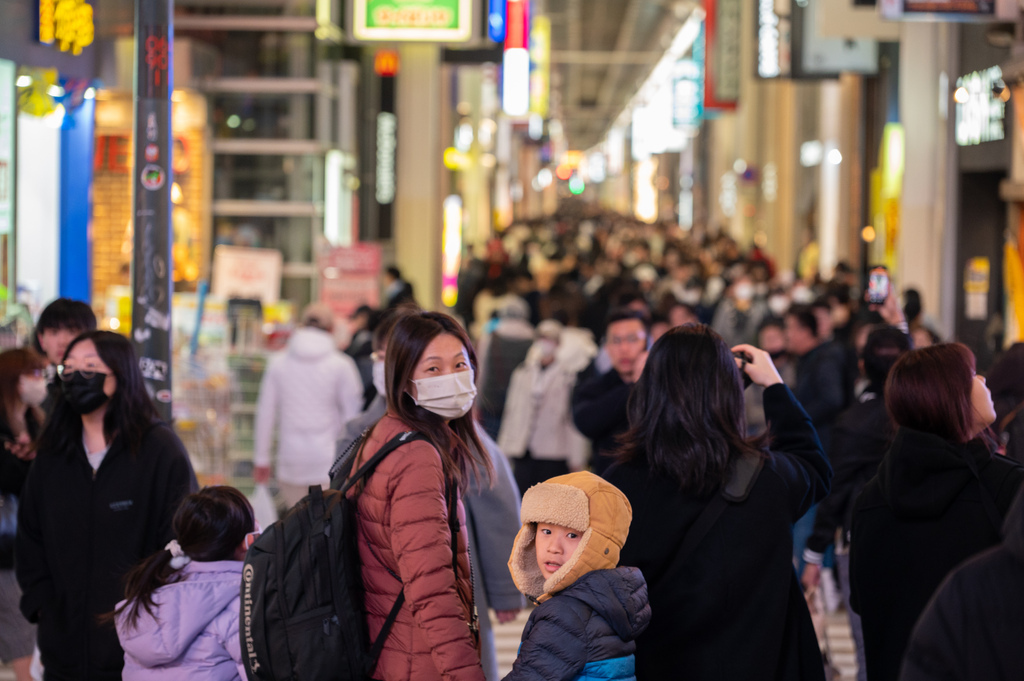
{"points": [[994, 516], [367, 468]]}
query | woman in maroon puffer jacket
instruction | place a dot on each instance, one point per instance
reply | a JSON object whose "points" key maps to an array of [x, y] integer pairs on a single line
{"points": [[405, 541]]}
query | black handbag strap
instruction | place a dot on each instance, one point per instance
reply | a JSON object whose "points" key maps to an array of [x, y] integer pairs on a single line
{"points": [[367, 468], [745, 472]]}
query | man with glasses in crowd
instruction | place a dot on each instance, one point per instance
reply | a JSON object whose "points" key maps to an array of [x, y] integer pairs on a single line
{"points": [[599, 400]]}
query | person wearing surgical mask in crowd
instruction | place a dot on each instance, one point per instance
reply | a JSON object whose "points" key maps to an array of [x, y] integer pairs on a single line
{"points": [[22, 391], [98, 498], [537, 431], [740, 313], [494, 508], [404, 524]]}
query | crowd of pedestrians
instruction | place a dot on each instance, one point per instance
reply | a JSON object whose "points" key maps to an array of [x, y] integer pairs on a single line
{"points": [[657, 442]]}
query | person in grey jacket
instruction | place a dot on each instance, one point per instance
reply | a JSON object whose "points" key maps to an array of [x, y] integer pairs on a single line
{"points": [[492, 515]]}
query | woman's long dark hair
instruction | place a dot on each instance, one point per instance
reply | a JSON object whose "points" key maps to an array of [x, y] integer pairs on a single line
{"points": [[686, 415], [130, 411], [462, 453], [209, 525]]}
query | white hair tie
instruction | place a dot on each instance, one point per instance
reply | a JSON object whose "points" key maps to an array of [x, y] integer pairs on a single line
{"points": [[178, 557]]}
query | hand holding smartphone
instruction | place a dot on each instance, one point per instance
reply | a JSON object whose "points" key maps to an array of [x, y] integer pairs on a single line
{"points": [[878, 285]]}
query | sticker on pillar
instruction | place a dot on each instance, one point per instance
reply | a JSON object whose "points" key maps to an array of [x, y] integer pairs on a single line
{"points": [[153, 177], [152, 153], [976, 286]]}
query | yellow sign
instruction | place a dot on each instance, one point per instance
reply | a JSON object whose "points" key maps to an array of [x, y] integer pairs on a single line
{"points": [[540, 66], [68, 23]]}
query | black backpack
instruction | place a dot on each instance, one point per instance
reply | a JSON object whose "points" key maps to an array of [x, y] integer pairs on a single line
{"points": [[302, 588]]}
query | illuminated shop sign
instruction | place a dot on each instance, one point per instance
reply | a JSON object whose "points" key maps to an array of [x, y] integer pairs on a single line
{"points": [[67, 24], [980, 113], [772, 60], [387, 137], [449, 21]]}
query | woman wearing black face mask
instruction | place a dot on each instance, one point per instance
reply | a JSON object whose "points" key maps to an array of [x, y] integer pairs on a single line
{"points": [[99, 498]]}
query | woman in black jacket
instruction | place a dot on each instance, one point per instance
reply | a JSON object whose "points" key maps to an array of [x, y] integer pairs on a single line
{"points": [[939, 498], [99, 497], [22, 392], [731, 607]]}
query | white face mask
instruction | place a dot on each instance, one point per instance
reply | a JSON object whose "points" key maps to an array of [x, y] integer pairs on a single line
{"points": [[450, 396], [32, 390], [378, 378], [744, 292], [779, 305]]}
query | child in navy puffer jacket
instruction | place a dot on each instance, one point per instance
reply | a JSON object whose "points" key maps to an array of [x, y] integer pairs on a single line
{"points": [[564, 558], [180, 617]]}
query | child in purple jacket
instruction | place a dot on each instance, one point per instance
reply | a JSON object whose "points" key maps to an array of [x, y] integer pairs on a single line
{"points": [[180, 616]]}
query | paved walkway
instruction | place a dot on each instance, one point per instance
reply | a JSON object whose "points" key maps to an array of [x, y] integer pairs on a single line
{"points": [[507, 639]]}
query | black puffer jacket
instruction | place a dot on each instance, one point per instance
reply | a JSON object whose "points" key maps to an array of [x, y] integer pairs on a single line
{"points": [[973, 627], [587, 631], [920, 517]]}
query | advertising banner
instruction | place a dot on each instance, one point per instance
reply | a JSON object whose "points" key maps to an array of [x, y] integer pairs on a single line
{"points": [[350, 277], [721, 54], [449, 21], [949, 10], [8, 72]]}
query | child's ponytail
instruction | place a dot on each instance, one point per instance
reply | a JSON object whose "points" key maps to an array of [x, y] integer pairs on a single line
{"points": [[140, 583], [210, 525]]}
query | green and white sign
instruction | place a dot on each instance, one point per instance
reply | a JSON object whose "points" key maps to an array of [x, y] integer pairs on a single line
{"points": [[8, 111], [443, 21]]}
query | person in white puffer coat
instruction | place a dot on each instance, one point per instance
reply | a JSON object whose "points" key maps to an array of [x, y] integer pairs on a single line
{"points": [[309, 390], [537, 430]]}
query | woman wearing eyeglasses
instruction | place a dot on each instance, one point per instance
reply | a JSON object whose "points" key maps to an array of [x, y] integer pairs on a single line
{"points": [[100, 496]]}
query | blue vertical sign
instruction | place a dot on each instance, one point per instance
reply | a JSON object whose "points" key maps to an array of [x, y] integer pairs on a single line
{"points": [[496, 18], [688, 87]]}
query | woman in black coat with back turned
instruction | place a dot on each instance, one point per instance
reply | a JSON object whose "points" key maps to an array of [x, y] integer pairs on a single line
{"points": [[939, 498], [731, 609]]}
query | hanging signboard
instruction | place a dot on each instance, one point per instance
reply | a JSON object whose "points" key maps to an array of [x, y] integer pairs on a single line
{"points": [[773, 41], [980, 114], [447, 21], [540, 66], [350, 277], [252, 273], [8, 73], [949, 10], [816, 56], [687, 93], [722, 54]]}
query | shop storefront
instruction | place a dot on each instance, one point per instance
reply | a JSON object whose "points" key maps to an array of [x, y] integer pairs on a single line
{"points": [[47, 70]]}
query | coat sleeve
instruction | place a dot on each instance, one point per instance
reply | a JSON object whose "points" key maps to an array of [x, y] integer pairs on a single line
{"points": [[596, 409], [266, 415], [421, 541], [830, 512], [553, 647], [13, 473], [799, 458], [495, 513], [935, 651], [350, 389], [31, 566]]}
